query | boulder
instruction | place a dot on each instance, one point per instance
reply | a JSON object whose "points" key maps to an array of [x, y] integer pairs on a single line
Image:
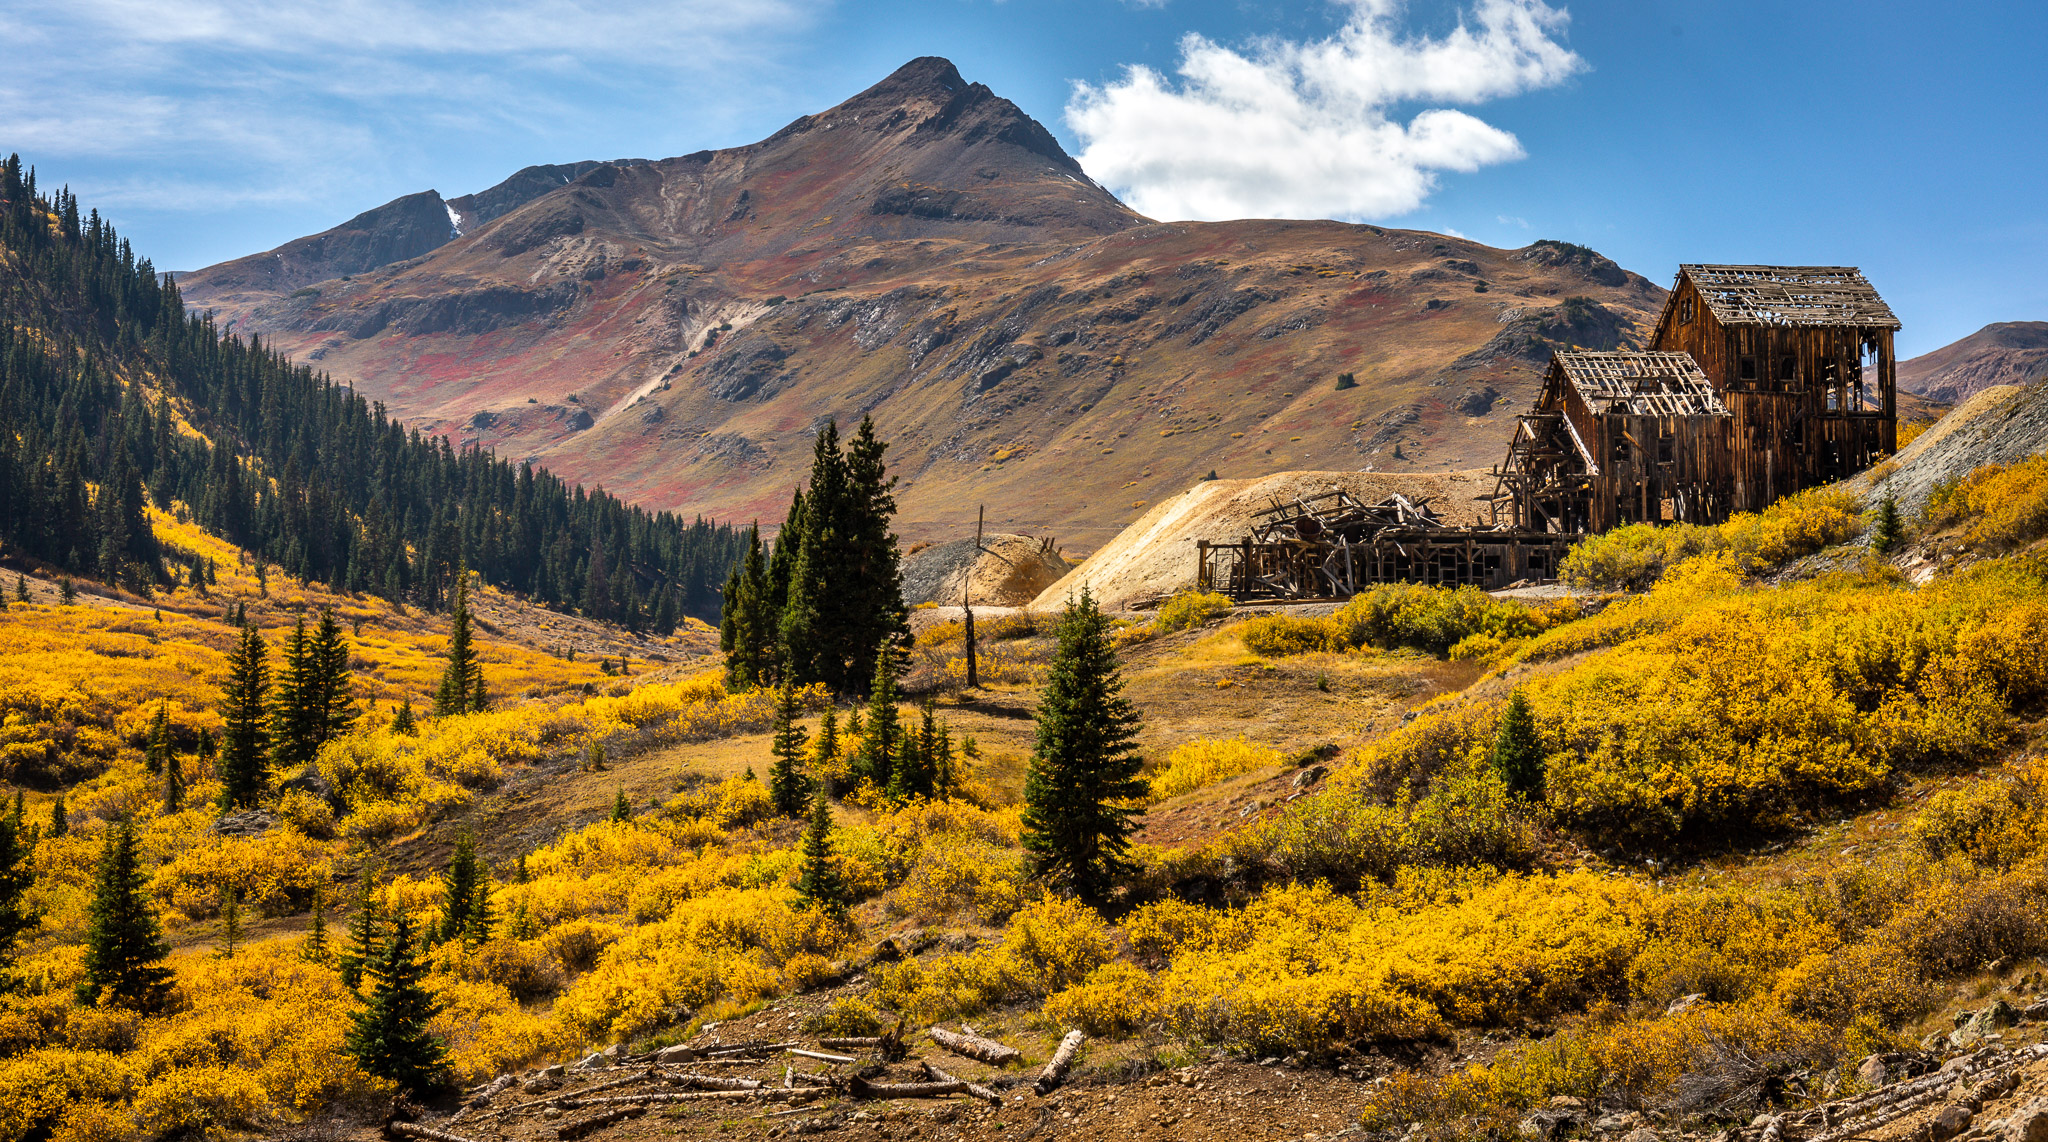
{"points": [[1996, 1017], [1872, 1072], [1310, 776], [1950, 1121], [247, 823], [2029, 1123], [1640, 1134], [676, 1054], [1550, 1123]]}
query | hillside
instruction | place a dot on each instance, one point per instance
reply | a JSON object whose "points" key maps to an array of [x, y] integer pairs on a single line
{"points": [[925, 252], [2004, 353]]}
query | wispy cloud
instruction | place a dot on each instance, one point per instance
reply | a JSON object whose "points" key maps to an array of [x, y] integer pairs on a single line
{"points": [[1512, 220], [260, 102], [1310, 129]]}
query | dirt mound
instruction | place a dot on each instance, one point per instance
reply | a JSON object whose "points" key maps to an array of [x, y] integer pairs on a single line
{"points": [[1155, 556], [1009, 571], [1997, 426]]}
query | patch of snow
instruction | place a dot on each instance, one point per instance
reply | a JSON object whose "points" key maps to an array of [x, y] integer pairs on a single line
{"points": [[454, 219]]}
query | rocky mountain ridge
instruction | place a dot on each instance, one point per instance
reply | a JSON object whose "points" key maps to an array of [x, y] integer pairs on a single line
{"points": [[2003, 353], [926, 253]]}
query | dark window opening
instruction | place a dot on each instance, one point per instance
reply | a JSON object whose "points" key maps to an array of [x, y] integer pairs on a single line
{"points": [[1748, 369], [1685, 312], [1788, 369]]}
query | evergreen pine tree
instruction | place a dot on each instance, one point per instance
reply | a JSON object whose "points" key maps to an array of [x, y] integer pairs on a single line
{"points": [[20, 587], [60, 818], [365, 934], [622, 809], [482, 918], [825, 750], [331, 707], [389, 1037], [313, 949], [820, 884], [403, 722], [174, 784], [292, 694], [124, 944], [461, 689], [245, 735], [1884, 535], [747, 627], [883, 739], [788, 788], [458, 886], [17, 918], [1084, 769], [228, 930], [158, 751], [1517, 749], [67, 591]]}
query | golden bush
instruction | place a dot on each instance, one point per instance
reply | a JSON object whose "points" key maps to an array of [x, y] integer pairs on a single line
{"points": [[1206, 761]]}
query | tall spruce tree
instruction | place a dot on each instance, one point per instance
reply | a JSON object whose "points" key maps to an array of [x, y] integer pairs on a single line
{"points": [[462, 682], [293, 694], [227, 931], [1517, 748], [882, 738], [873, 575], [459, 886], [1084, 767], [124, 943], [820, 884], [158, 751], [389, 1037], [174, 784], [330, 704], [747, 630], [60, 818], [365, 933], [245, 722], [788, 788], [313, 949], [17, 917], [825, 750]]}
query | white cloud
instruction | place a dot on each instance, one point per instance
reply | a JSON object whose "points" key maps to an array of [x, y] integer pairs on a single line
{"points": [[196, 105], [1310, 129], [1512, 220]]}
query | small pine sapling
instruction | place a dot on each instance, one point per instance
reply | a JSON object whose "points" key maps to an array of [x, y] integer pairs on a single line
{"points": [[820, 885], [389, 1037], [1518, 749]]}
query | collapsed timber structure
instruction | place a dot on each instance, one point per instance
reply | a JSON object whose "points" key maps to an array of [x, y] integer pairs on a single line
{"points": [[1330, 545], [1759, 381]]}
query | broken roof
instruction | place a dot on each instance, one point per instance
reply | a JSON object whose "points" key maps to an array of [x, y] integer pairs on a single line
{"points": [[1790, 295], [1641, 384]]}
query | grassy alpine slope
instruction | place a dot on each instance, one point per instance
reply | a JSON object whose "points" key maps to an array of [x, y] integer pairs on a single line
{"points": [[1789, 815]]}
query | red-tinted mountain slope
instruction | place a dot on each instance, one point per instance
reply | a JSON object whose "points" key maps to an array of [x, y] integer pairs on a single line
{"points": [[2005, 353], [925, 252]]}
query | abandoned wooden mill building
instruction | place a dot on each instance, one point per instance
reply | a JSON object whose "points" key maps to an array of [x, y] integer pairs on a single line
{"points": [[1758, 382]]}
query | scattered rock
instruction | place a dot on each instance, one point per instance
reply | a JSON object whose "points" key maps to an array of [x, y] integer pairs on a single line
{"points": [[1686, 1003], [1951, 1121], [1640, 1134], [1872, 1072], [1996, 1017], [676, 1054], [1310, 776], [886, 952], [1551, 1123], [247, 823]]}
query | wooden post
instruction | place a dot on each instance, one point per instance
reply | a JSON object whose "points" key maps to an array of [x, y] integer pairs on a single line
{"points": [[967, 603]]}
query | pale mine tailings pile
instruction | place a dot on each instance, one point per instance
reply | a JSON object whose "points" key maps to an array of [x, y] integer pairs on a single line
{"points": [[1010, 571], [1155, 556], [1996, 426]]}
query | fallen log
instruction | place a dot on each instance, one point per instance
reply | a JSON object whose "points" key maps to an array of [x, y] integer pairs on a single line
{"points": [[976, 1089], [409, 1130], [1055, 1072], [765, 1094], [857, 1043], [597, 1122], [820, 1056], [866, 1089], [712, 1082], [757, 1047], [975, 1047], [645, 1074]]}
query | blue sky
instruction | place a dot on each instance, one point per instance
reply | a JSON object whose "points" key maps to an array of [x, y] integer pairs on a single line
{"points": [[1909, 139]]}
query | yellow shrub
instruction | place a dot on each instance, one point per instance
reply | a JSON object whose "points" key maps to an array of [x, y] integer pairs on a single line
{"points": [[275, 874], [1279, 635], [1206, 761], [1113, 1001], [38, 1087], [1999, 506], [1189, 609]]}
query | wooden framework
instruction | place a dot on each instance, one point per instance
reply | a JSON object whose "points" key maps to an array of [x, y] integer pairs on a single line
{"points": [[1617, 438], [1330, 545], [1802, 357]]}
